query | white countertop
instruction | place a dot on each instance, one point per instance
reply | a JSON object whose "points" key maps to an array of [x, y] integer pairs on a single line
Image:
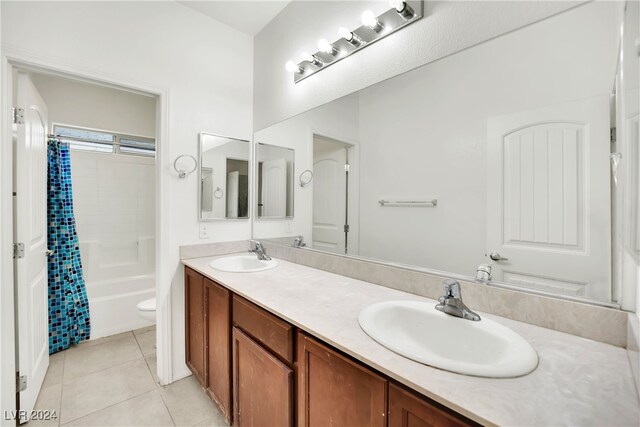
{"points": [[577, 382]]}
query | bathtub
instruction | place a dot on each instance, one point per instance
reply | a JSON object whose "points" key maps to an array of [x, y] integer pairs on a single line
{"points": [[112, 304]]}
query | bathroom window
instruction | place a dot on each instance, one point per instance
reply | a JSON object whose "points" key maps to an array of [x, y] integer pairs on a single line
{"points": [[105, 142]]}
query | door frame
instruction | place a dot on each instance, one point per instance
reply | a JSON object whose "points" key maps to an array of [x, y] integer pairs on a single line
{"points": [[15, 58], [353, 156]]}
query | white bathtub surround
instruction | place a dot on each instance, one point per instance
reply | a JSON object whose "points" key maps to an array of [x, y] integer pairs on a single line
{"points": [[114, 202], [112, 304], [572, 385]]}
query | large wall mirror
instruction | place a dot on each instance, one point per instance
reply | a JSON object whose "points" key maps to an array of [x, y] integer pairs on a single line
{"points": [[223, 187], [494, 163], [274, 181]]}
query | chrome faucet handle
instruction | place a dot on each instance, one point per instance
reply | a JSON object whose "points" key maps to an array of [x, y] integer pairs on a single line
{"points": [[452, 289]]}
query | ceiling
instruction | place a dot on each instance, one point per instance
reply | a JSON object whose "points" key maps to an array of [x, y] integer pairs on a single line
{"points": [[247, 16]]}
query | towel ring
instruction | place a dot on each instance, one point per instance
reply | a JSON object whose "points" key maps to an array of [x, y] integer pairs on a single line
{"points": [[305, 178], [218, 193], [181, 172]]}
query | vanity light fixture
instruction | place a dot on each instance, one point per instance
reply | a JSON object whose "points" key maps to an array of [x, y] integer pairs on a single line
{"points": [[402, 8], [292, 67], [311, 59], [399, 15], [370, 20], [326, 47], [349, 36]]}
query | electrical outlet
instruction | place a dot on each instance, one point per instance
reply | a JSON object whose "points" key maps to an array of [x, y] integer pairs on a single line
{"points": [[204, 231], [289, 227]]}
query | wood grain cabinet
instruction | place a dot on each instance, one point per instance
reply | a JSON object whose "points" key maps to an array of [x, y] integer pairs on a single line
{"points": [[195, 324], [218, 326], [262, 373], [407, 409], [263, 385], [208, 337], [334, 391]]}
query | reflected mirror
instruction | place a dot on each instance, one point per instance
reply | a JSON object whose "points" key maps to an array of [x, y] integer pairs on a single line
{"points": [[493, 163], [274, 181], [224, 177]]}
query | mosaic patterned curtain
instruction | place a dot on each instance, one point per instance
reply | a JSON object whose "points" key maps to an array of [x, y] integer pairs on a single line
{"points": [[68, 305]]}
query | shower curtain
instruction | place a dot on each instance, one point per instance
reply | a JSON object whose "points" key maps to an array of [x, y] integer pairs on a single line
{"points": [[68, 305]]}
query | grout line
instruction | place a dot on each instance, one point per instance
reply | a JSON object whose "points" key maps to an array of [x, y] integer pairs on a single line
{"points": [[64, 364], [168, 410], [100, 370], [107, 407]]}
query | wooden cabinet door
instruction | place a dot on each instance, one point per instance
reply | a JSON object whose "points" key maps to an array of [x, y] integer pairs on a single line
{"points": [[409, 410], [334, 391], [263, 386], [218, 334], [195, 324]]}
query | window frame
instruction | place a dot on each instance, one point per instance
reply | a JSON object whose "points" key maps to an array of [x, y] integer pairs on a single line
{"points": [[115, 145]]}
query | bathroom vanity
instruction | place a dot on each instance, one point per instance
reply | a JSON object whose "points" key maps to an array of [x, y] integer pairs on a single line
{"points": [[261, 370], [271, 348]]}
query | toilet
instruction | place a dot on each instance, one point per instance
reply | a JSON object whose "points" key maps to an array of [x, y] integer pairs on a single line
{"points": [[147, 309]]}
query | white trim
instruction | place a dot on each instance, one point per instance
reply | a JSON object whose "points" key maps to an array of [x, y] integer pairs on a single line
{"points": [[24, 59], [7, 324]]}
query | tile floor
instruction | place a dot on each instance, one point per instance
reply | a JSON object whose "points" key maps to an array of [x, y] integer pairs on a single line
{"points": [[112, 382]]}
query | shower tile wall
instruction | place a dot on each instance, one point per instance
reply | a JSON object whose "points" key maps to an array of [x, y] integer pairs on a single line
{"points": [[114, 206]]}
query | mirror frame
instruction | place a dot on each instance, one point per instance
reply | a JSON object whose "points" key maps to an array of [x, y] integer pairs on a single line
{"points": [[249, 178], [255, 183]]}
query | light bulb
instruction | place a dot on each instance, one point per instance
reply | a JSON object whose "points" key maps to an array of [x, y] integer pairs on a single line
{"points": [[326, 47], [349, 36], [305, 56], [402, 8], [292, 67], [345, 34], [398, 4], [370, 20]]}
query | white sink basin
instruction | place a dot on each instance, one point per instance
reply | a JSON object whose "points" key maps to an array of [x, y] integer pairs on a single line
{"points": [[419, 332], [242, 264]]}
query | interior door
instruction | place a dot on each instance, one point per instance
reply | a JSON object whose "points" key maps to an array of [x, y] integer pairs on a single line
{"points": [[329, 196], [274, 188], [549, 207], [233, 187], [30, 180]]}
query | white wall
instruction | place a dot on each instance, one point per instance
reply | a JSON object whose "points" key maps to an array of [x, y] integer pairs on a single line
{"points": [[424, 134], [114, 206], [204, 67], [71, 102], [448, 27], [338, 120]]}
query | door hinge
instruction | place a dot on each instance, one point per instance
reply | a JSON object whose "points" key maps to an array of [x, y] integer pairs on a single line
{"points": [[612, 135], [18, 115], [18, 250], [346, 228], [21, 382], [346, 167]]}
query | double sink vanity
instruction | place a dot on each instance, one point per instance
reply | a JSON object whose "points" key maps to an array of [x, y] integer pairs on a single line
{"points": [[281, 344]]}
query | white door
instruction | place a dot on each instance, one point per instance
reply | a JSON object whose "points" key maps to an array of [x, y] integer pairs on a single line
{"points": [[31, 230], [274, 188], [233, 188], [329, 195], [549, 207]]}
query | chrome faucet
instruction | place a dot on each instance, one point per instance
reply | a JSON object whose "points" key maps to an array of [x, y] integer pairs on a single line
{"points": [[451, 302], [299, 242], [259, 251]]}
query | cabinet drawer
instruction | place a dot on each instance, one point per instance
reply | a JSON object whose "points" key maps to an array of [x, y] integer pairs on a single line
{"points": [[270, 331]]}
